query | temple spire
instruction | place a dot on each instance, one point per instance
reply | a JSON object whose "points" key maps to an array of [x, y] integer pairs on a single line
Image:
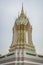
{"points": [[22, 8], [22, 11]]}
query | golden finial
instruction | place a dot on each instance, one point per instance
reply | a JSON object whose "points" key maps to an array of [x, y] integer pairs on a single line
{"points": [[22, 11], [22, 7]]}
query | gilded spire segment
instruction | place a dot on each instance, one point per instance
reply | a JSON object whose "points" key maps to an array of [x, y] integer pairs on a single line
{"points": [[22, 11]]}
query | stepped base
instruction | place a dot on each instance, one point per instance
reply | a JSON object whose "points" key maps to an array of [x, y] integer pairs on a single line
{"points": [[28, 47]]}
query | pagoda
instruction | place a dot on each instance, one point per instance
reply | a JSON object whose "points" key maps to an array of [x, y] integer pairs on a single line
{"points": [[22, 35]]}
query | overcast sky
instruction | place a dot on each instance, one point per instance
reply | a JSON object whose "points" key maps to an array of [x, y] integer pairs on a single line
{"points": [[9, 10]]}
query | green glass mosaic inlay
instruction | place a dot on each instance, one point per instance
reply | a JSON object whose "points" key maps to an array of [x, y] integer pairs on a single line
{"points": [[40, 56], [10, 54], [2, 56], [31, 54]]}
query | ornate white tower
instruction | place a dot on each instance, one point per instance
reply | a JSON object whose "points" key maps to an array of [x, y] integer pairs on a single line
{"points": [[22, 38], [22, 34]]}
